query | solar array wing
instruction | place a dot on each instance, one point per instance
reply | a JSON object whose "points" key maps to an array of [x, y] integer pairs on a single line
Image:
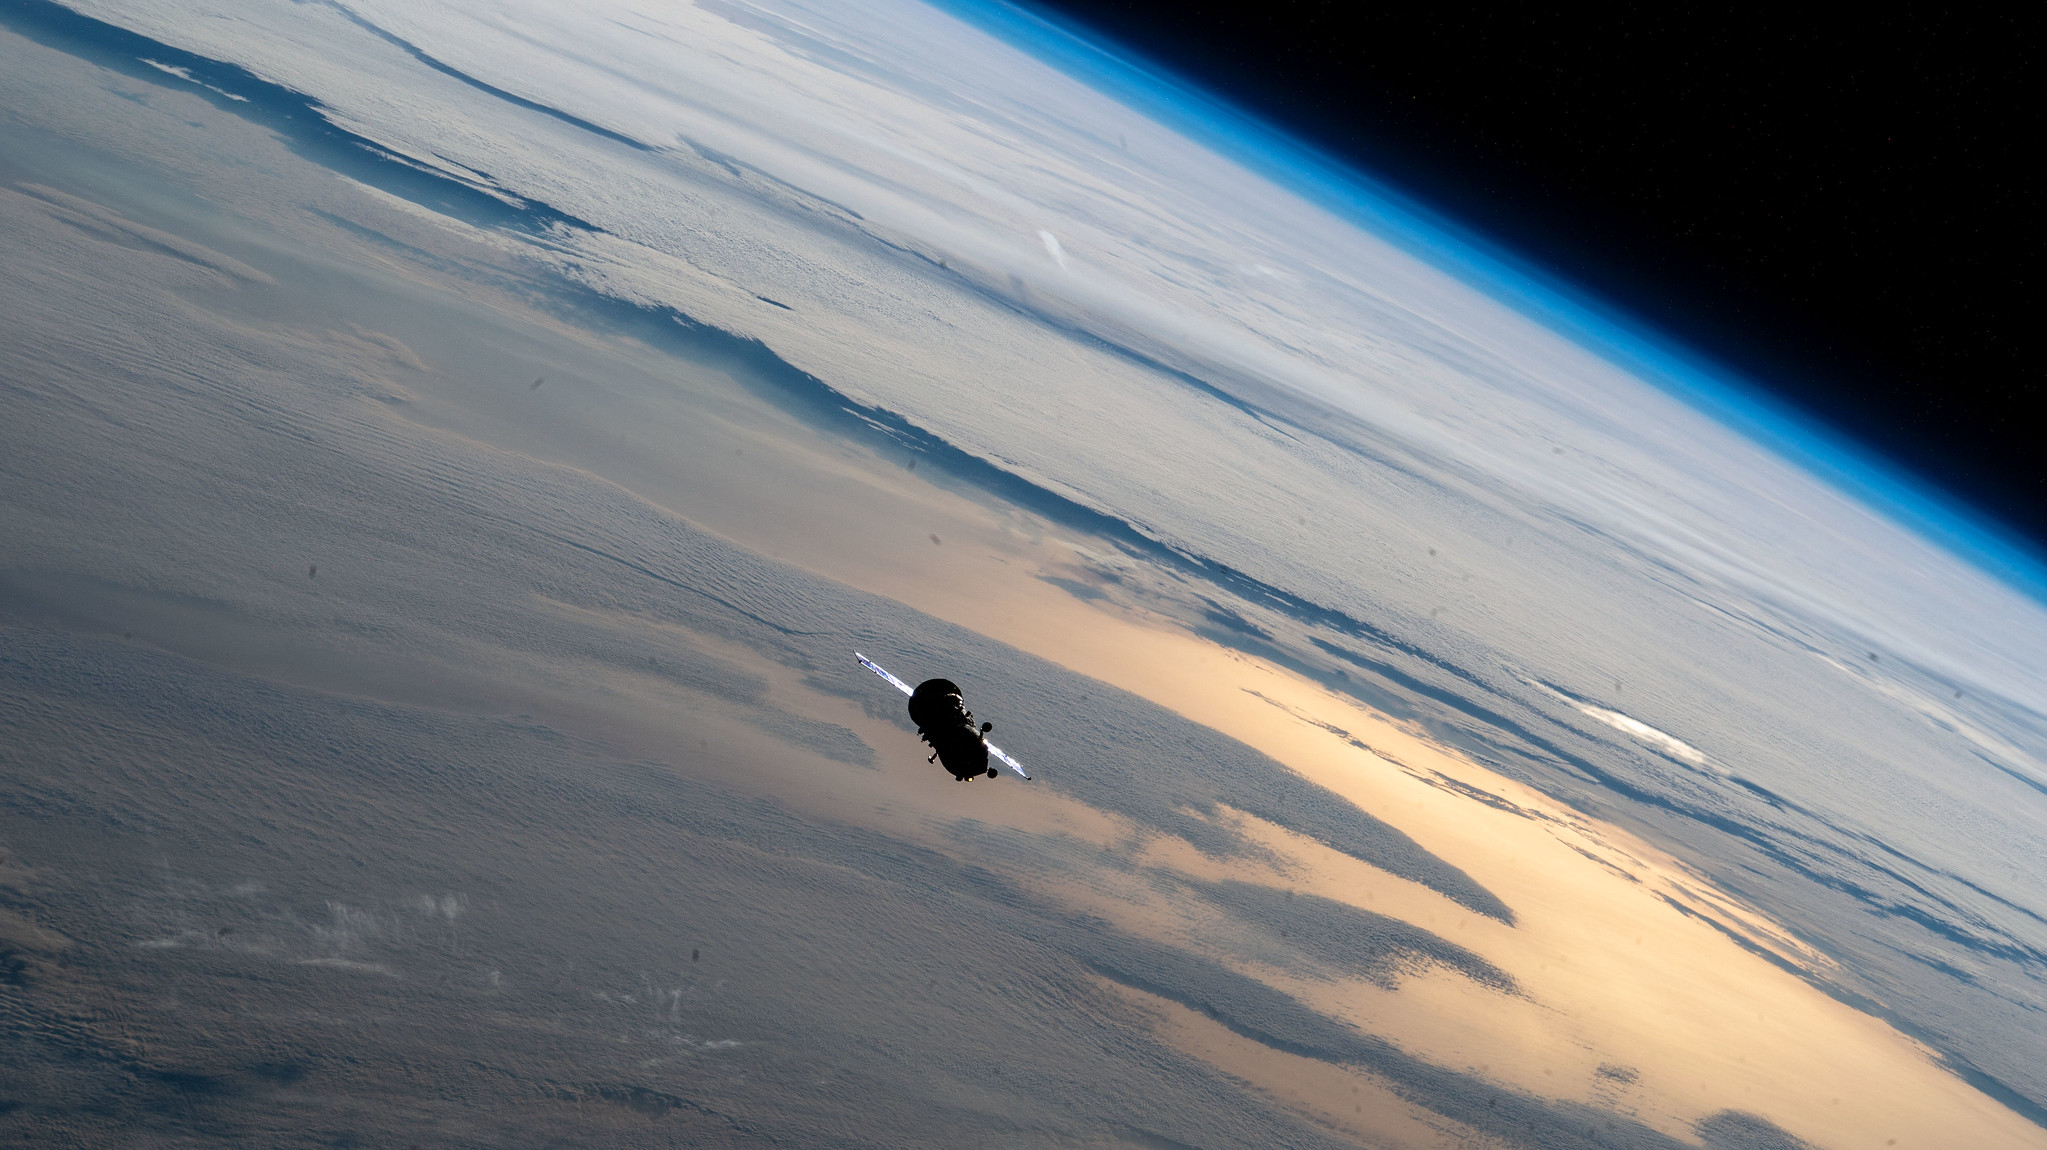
{"points": [[875, 667], [999, 753]]}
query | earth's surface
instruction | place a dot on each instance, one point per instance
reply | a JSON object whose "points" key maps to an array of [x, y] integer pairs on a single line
{"points": [[449, 455]]}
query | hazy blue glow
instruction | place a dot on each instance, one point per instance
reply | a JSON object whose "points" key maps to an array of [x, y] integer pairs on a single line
{"points": [[1504, 274]]}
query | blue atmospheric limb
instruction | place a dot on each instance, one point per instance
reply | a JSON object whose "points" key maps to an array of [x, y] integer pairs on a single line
{"points": [[1503, 274]]}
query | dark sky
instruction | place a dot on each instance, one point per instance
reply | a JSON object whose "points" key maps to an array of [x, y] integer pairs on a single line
{"points": [[1834, 206]]}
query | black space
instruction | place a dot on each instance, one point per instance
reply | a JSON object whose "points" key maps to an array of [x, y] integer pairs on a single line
{"points": [[1837, 206]]}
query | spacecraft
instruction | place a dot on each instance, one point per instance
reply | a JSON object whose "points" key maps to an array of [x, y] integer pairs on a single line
{"points": [[943, 721]]}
